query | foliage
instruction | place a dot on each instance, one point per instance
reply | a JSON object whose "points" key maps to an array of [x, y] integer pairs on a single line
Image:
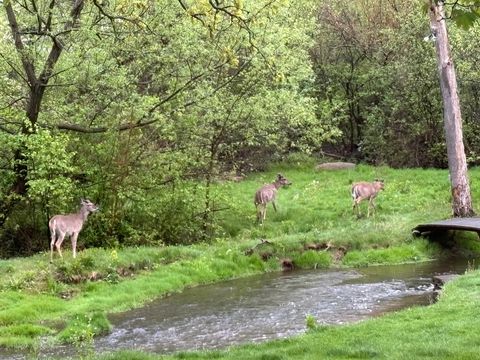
{"points": [[311, 322], [377, 80], [141, 99], [465, 13], [84, 327], [50, 165]]}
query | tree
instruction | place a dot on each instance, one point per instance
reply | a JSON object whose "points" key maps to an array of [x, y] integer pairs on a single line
{"points": [[144, 97], [262, 105], [37, 80], [461, 197], [374, 80]]}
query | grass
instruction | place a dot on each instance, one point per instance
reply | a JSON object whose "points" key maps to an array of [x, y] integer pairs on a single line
{"points": [[318, 204], [67, 301]]}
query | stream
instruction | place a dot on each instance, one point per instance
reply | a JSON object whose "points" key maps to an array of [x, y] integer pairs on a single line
{"points": [[268, 306]]}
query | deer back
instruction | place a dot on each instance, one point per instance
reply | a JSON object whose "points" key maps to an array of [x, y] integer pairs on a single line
{"points": [[67, 224], [72, 223], [366, 189], [268, 192], [265, 194]]}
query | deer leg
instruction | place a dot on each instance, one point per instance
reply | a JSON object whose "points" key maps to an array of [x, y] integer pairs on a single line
{"points": [[58, 244], [372, 204], [262, 213], [274, 206], [356, 205], [52, 243], [74, 244]]}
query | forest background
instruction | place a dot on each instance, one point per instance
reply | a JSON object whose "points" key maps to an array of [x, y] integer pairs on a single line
{"points": [[141, 106]]}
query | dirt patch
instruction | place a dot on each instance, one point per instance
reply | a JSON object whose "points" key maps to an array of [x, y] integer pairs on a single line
{"points": [[287, 264], [336, 252]]}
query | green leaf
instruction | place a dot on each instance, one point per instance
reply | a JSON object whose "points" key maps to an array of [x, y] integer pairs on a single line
{"points": [[464, 18]]}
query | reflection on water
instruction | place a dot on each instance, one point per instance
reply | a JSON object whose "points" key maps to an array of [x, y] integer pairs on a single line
{"points": [[270, 306]]}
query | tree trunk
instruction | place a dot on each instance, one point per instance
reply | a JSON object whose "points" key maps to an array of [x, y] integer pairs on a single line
{"points": [[36, 90], [457, 163]]}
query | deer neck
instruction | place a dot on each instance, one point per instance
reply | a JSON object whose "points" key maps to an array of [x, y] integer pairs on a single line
{"points": [[277, 185], [84, 213]]}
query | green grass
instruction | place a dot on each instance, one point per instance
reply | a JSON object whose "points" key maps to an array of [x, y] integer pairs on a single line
{"points": [[318, 205], [68, 299]]}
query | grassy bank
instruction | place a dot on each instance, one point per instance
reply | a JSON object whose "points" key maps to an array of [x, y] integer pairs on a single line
{"points": [[314, 227]]}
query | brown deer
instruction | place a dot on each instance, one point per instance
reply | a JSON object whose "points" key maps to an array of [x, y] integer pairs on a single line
{"points": [[267, 194], [366, 191], [69, 225]]}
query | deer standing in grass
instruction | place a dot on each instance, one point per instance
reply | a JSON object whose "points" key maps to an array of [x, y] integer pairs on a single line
{"points": [[69, 225], [366, 191], [267, 194]]}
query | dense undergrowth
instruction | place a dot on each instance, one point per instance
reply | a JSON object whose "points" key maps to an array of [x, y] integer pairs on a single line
{"points": [[67, 300]]}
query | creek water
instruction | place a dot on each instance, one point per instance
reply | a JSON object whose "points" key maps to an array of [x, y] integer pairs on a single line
{"points": [[269, 306]]}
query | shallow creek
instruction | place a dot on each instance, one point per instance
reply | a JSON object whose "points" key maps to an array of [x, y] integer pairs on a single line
{"points": [[269, 306]]}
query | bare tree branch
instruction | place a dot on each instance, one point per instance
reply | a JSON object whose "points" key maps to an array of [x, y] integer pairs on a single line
{"points": [[27, 64], [11, 103], [113, 18], [12, 66], [103, 129], [141, 122]]}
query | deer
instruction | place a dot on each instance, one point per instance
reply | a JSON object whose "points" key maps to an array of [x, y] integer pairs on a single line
{"points": [[266, 194], [69, 225], [366, 191]]}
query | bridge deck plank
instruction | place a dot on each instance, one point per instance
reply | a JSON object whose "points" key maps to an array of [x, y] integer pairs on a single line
{"points": [[469, 224]]}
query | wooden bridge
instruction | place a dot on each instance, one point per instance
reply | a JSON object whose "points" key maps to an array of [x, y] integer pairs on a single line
{"points": [[467, 224]]}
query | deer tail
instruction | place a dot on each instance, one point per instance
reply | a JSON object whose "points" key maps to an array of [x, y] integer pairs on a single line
{"points": [[354, 193], [51, 224]]}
